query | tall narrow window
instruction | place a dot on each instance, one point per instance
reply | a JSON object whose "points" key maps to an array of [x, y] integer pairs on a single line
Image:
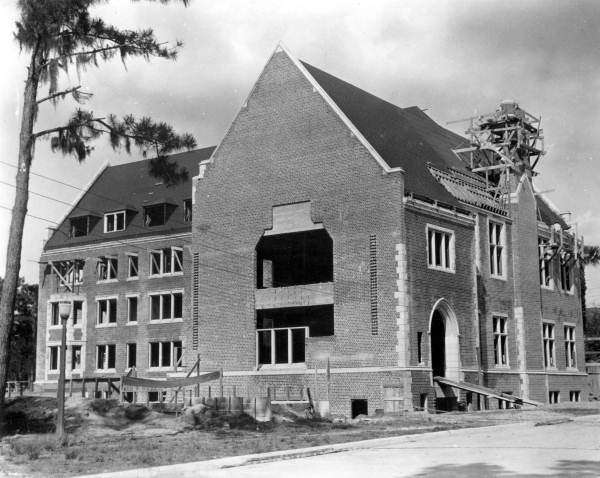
{"points": [[76, 357], [500, 341], [187, 210], [554, 396], [54, 316], [131, 355], [566, 273], [53, 357], [549, 351], [440, 249], [77, 312], [132, 266], [570, 355], [132, 308], [106, 311], [574, 395], [419, 347], [545, 263], [496, 240]]}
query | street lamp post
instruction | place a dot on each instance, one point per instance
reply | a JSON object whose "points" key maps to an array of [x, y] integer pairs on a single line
{"points": [[64, 311]]}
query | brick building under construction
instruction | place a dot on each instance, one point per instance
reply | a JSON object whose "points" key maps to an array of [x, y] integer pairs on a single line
{"points": [[336, 242]]}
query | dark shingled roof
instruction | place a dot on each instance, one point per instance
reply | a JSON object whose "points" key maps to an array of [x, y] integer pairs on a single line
{"points": [[130, 186], [403, 137]]}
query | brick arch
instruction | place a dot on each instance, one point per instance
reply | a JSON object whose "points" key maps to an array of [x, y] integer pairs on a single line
{"points": [[451, 338]]}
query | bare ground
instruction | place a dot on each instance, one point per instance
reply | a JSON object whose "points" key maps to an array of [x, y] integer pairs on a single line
{"points": [[104, 436]]}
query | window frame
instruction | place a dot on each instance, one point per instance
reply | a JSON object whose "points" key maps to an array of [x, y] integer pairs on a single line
{"points": [[448, 251], [570, 346], [188, 205], [495, 246], [545, 265], [80, 348], [175, 258], [128, 357], [111, 264], [114, 215], [273, 363], [549, 344], [133, 259], [173, 360], [553, 396], [568, 276], [72, 221], [161, 295], [575, 396], [128, 299], [53, 348], [108, 299], [499, 333], [106, 362]]}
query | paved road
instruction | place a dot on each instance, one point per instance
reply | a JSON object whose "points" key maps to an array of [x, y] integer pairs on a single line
{"points": [[564, 449]]}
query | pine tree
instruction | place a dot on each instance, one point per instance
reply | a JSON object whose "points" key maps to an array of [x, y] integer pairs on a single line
{"points": [[59, 35]]}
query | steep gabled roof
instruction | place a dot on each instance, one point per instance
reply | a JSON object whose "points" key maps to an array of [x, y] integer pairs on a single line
{"points": [[405, 138], [130, 186]]}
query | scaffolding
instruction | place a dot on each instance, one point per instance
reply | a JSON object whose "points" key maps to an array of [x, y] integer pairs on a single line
{"points": [[510, 139]]}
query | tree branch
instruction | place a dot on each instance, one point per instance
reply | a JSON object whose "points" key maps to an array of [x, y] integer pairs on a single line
{"points": [[61, 93], [58, 129]]}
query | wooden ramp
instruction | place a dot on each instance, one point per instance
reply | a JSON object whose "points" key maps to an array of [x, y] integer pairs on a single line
{"points": [[488, 392]]}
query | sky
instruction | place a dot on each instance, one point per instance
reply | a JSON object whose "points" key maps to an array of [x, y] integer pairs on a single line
{"points": [[455, 58]]}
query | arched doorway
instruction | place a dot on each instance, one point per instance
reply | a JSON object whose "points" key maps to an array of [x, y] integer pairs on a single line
{"points": [[443, 331]]}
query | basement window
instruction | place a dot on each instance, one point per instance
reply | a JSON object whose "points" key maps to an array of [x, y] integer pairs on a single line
{"points": [[553, 396], [165, 354], [286, 260], [106, 357], [440, 248], [114, 221], [574, 396]]}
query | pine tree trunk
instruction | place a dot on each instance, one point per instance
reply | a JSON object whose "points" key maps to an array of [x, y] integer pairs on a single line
{"points": [[13, 254]]}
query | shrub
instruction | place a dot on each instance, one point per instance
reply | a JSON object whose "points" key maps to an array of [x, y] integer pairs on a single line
{"points": [[102, 406], [136, 412], [33, 446]]}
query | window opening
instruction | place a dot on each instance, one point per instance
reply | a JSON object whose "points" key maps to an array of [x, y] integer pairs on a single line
{"points": [[114, 221], [53, 359], [359, 407], [440, 246], [419, 347], [54, 315], [187, 210], [76, 357], [570, 355], [106, 311], [166, 354], [554, 396], [156, 215], [132, 308], [79, 226], [77, 311], [574, 396], [548, 337], [285, 260], [166, 261], [500, 341], [132, 266], [545, 262], [131, 355], [107, 268], [166, 306], [565, 273], [496, 240], [105, 356]]}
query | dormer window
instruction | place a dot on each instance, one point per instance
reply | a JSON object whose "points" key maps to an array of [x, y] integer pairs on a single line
{"points": [[80, 226], [114, 221], [155, 215]]}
